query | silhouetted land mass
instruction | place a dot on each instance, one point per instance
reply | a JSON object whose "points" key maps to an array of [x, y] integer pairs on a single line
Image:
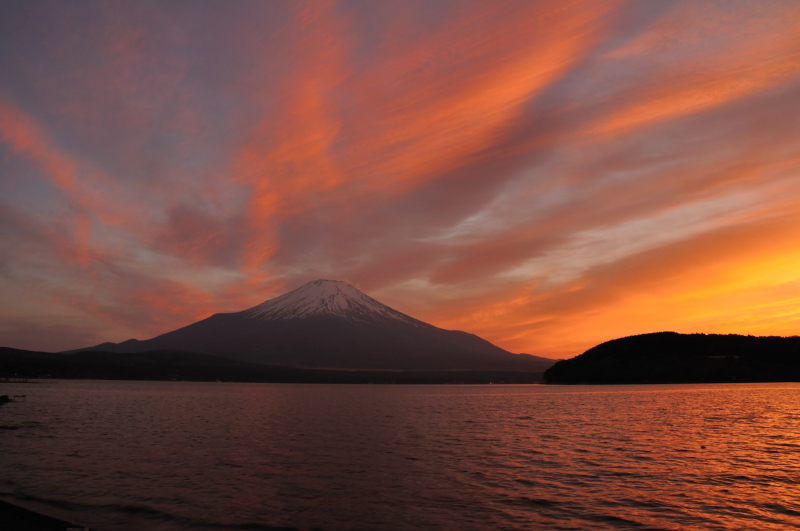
{"points": [[189, 366], [331, 324], [669, 357]]}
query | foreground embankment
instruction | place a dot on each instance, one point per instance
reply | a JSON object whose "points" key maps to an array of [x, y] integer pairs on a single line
{"points": [[17, 518]]}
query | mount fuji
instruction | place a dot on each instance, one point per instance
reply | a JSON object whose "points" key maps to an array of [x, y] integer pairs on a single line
{"points": [[331, 324]]}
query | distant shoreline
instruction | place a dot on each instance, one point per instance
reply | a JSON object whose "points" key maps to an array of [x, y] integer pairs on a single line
{"points": [[192, 367]]}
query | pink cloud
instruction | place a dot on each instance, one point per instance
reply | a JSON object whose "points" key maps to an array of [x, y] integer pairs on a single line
{"points": [[533, 172]]}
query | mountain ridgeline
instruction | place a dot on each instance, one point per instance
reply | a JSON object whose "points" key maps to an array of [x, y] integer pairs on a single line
{"points": [[669, 357], [330, 324]]}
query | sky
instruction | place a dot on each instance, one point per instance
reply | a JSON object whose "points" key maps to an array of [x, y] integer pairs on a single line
{"points": [[547, 175]]}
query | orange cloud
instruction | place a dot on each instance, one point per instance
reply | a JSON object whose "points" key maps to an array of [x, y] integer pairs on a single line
{"points": [[546, 174], [746, 58], [401, 129], [410, 130], [79, 184], [732, 280]]}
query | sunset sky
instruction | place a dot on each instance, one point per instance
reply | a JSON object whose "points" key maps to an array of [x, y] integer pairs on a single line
{"points": [[547, 175]]}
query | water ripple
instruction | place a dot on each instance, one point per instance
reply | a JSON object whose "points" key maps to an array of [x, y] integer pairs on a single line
{"points": [[165, 456]]}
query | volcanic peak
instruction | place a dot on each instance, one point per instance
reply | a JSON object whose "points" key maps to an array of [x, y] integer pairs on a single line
{"points": [[325, 297]]}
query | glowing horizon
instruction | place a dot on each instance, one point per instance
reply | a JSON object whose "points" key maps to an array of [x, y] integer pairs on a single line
{"points": [[547, 175]]}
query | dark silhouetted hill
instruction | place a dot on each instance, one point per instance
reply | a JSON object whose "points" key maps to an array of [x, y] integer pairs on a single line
{"points": [[669, 357]]}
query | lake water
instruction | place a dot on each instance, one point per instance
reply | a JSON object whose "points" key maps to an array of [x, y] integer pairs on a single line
{"points": [[177, 456]]}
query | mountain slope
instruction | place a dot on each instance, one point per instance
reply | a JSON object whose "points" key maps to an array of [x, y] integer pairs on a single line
{"points": [[331, 324]]}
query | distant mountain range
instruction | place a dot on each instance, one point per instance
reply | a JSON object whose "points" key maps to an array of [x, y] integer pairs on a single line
{"points": [[330, 324], [669, 357]]}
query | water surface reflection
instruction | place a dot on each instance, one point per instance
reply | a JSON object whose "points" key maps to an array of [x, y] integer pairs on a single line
{"points": [[172, 455]]}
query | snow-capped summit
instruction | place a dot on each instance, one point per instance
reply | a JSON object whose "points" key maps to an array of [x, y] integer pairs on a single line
{"points": [[331, 324], [325, 297]]}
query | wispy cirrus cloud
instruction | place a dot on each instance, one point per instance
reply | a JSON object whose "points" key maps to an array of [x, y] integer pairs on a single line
{"points": [[548, 175]]}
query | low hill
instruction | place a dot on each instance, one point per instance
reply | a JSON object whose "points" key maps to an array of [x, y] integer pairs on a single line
{"points": [[188, 366], [669, 357]]}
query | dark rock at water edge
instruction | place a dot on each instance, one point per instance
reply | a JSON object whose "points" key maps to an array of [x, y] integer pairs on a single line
{"points": [[669, 357], [13, 517]]}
